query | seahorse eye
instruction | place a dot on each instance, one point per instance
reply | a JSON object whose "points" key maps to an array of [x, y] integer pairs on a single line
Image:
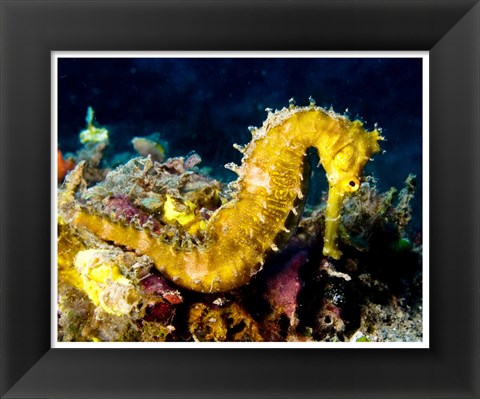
{"points": [[351, 185]]}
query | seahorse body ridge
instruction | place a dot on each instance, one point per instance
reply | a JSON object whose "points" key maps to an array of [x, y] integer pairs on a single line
{"points": [[270, 192]]}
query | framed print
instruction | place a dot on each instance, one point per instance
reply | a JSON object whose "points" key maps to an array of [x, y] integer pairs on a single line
{"points": [[346, 217], [157, 244]]}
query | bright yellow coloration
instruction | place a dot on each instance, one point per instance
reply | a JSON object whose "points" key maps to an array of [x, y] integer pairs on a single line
{"points": [[103, 282], [183, 217], [197, 227], [270, 192]]}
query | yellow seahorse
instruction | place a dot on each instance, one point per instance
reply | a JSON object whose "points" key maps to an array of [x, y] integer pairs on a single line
{"points": [[269, 199]]}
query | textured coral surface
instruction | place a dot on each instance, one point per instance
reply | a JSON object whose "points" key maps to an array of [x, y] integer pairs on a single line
{"points": [[114, 287]]}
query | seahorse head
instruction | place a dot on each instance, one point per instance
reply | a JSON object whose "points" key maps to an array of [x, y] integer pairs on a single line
{"points": [[344, 152], [347, 156]]}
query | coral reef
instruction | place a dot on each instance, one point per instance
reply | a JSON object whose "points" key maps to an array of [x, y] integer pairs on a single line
{"points": [[160, 251], [222, 323], [103, 281]]}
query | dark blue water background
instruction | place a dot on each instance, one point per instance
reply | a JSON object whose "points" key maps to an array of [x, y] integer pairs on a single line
{"points": [[206, 104]]}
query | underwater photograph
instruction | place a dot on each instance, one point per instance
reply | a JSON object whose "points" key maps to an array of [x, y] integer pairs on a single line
{"points": [[240, 199]]}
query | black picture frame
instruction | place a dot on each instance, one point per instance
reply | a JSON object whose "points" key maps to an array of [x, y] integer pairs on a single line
{"points": [[30, 30]]}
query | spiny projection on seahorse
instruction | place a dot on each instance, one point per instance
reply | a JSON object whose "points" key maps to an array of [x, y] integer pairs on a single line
{"points": [[269, 196]]}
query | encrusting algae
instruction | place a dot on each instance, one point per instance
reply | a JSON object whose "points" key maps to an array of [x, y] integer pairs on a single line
{"points": [[104, 283], [268, 201]]}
